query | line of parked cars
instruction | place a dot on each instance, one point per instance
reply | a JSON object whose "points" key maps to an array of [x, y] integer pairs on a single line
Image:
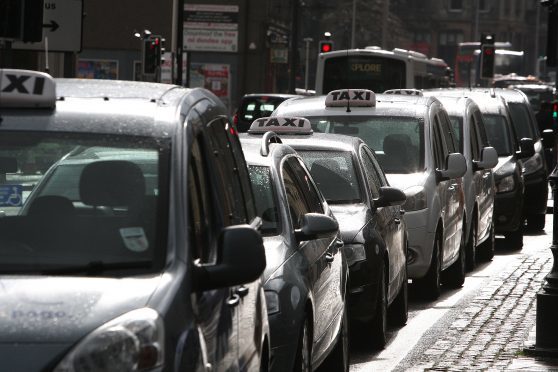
{"points": [[140, 231]]}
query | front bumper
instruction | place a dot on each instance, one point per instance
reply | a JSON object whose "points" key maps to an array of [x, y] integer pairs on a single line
{"points": [[508, 211]]}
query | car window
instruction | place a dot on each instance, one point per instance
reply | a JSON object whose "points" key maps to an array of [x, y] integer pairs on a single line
{"points": [[474, 138], [78, 199], [265, 198], [295, 196], [312, 195], [398, 141], [334, 174], [521, 119], [438, 144], [379, 170], [481, 129], [448, 132], [256, 107], [372, 176], [498, 134]]}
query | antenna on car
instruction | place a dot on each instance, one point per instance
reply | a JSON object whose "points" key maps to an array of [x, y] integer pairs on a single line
{"points": [[348, 102]]}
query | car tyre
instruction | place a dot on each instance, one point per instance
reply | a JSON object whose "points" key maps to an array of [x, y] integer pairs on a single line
{"points": [[399, 309], [338, 360], [514, 239], [454, 276], [378, 324], [471, 247], [430, 285], [536, 222], [303, 361], [486, 248]]}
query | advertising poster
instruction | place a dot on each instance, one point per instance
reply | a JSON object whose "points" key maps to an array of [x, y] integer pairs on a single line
{"points": [[215, 77], [97, 69], [211, 28]]}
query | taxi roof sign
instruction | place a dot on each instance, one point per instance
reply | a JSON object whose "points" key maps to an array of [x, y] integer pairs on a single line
{"points": [[404, 92], [351, 97], [281, 124], [26, 89]]}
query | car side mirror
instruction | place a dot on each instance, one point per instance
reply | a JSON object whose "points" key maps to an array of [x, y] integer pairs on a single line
{"points": [[548, 138], [456, 166], [316, 226], [488, 160], [390, 196], [241, 260], [526, 148]]}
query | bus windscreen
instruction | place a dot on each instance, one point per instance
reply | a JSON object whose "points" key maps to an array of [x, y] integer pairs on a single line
{"points": [[363, 72]]}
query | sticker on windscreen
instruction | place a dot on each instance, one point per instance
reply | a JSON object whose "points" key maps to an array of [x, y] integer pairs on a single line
{"points": [[134, 239], [11, 195]]}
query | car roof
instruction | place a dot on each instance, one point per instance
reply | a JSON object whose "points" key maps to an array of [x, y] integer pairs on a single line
{"points": [[110, 107], [485, 98], [456, 105], [386, 104], [277, 95], [252, 148], [323, 142]]}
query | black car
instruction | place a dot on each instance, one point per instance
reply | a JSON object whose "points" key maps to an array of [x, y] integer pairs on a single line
{"points": [[257, 105], [306, 274], [119, 249]]}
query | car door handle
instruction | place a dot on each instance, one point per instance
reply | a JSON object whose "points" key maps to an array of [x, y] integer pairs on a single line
{"points": [[397, 220], [338, 243], [486, 175], [329, 257], [242, 291], [234, 300]]}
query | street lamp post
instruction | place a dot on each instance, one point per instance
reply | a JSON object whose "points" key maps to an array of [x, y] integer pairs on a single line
{"points": [[307, 40]]}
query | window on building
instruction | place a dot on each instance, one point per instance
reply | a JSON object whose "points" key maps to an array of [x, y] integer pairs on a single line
{"points": [[455, 5]]}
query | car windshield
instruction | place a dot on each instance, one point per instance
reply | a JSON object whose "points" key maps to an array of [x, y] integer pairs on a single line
{"points": [[521, 120], [398, 141], [264, 196], [334, 174], [498, 134], [79, 200]]}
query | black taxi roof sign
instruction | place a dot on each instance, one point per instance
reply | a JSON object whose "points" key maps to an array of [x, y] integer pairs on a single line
{"points": [[281, 124], [351, 97], [26, 89]]}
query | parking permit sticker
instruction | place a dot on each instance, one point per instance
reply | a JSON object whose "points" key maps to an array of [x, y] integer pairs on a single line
{"points": [[11, 195], [134, 239]]}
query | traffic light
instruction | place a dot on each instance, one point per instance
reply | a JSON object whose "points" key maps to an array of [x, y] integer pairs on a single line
{"points": [[151, 54], [555, 110], [326, 46], [488, 53]]}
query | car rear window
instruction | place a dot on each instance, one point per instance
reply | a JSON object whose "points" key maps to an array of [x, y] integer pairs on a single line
{"points": [[82, 202], [255, 108], [334, 174]]}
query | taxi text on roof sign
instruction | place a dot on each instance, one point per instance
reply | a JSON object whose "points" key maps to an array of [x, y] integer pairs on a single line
{"points": [[352, 97], [26, 89], [404, 92], [280, 124]]}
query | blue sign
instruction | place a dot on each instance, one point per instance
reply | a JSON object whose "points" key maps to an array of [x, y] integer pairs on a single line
{"points": [[11, 195]]}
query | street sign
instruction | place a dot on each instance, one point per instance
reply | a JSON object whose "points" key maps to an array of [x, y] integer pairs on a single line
{"points": [[62, 26]]}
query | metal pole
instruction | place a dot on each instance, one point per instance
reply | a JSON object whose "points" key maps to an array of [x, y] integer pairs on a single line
{"points": [[353, 25], [385, 17], [307, 40], [476, 32]]}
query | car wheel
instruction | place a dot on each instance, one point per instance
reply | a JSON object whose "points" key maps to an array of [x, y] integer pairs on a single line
{"points": [[454, 276], [430, 285], [378, 324], [303, 361], [471, 247], [536, 222], [514, 239], [338, 360], [399, 309], [486, 248]]}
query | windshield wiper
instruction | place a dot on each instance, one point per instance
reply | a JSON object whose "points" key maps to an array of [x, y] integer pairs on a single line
{"points": [[96, 267]]}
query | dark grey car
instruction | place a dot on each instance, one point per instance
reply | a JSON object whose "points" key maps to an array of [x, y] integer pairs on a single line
{"points": [[128, 235]]}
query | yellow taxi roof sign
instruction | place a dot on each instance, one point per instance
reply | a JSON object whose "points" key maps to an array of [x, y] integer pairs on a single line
{"points": [[351, 97], [281, 124], [26, 89]]}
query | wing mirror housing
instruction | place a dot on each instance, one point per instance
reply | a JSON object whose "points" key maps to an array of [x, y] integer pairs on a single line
{"points": [[526, 148], [456, 166], [548, 138], [241, 259], [316, 226], [390, 196], [488, 160]]}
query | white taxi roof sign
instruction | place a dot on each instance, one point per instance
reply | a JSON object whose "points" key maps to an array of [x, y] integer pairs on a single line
{"points": [[351, 97], [26, 89], [405, 92], [281, 124]]}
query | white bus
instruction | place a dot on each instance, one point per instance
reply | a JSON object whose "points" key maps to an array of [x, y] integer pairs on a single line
{"points": [[379, 70]]}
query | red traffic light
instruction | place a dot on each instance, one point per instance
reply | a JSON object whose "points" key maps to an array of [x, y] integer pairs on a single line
{"points": [[488, 51], [326, 46]]}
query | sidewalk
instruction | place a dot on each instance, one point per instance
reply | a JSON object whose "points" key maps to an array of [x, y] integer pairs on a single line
{"points": [[492, 331]]}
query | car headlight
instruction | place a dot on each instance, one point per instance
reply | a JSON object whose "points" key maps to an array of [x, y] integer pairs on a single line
{"points": [[354, 253], [416, 198], [533, 164], [131, 342], [505, 184], [272, 302]]}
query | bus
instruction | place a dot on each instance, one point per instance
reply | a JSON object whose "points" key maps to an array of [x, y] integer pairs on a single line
{"points": [[379, 70], [506, 61]]}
